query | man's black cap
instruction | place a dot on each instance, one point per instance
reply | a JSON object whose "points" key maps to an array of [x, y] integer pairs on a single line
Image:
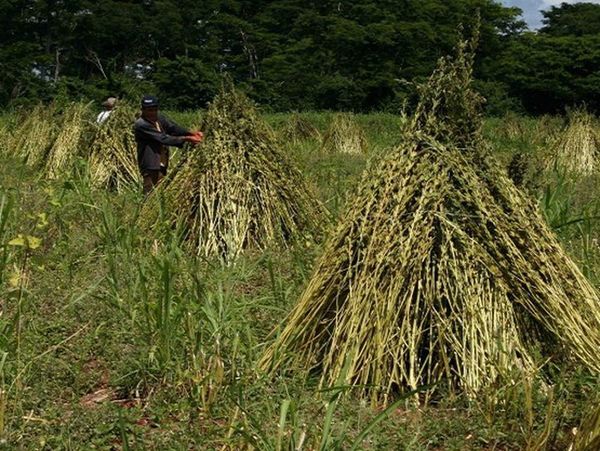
{"points": [[149, 102]]}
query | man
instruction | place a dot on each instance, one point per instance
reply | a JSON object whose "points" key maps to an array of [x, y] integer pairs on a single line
{"points": [[109, 105], [153, 134]]}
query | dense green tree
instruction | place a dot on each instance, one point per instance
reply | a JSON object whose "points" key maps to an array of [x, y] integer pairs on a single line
{"points": [[557, 67], [548, 73], [576, 19], [357, 55], [290, 54], [185, 82]]}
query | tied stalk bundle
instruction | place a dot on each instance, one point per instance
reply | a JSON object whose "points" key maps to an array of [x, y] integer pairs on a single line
{"points": [[577, 149], [113, 160], [512, 127], [588, 435], [547, 130], [441, 271], [345, 135], [525, 167], [238, 191], [4, 135], [67, 146], [299, 129], [33, 135]]}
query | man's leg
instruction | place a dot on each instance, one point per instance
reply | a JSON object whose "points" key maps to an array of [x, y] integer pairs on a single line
{"points": [[151, 179]]}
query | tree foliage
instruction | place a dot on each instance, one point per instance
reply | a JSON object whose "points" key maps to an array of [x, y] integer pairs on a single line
{"points": [[576, 19], [557, 67], [290, 54]]}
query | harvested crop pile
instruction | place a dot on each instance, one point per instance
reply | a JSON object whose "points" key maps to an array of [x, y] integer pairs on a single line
{"points": [[345, 135], [547, 129], [526, 170], [588, 436], [577, 149], [237, 190], [441, 271], [68, 143], [512, 127], [5, 133], [113, 154], [299, 129], [33, 135]]}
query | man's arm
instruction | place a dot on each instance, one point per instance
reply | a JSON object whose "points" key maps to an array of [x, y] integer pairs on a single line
{"points": [[145, 130]]}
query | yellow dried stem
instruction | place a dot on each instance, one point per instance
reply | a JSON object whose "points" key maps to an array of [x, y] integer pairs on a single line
{"points": [[577, 149], [588, 436], [33, 136], [299, 129], [441, 270], [345, 135], [547, 130], [68, 144], [512, 127], [237, 190], [113, 154]]}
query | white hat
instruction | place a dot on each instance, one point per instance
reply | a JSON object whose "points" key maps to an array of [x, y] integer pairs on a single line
{"points": [[110, 102]]}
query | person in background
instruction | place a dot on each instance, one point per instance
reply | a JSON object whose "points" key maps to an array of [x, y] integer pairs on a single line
{"points": [[154, 133], [109, 105]]}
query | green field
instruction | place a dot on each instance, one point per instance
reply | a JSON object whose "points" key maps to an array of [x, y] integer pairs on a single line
{"points": [[114, 336]]}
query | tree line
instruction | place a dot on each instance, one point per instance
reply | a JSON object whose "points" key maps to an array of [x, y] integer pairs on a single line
{"points": [[361, 55]]}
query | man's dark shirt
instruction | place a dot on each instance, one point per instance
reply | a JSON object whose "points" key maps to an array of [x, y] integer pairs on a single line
{"points": [[150, 141]]}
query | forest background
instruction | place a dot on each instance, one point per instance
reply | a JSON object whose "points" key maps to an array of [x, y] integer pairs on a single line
{"points": [[288, 55]]}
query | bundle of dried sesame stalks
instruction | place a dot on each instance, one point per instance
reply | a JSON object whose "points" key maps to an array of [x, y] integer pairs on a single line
{"points": [[441, 271]]}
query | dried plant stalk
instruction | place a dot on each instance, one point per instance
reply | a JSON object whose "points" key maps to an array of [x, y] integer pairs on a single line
{"points": [[441, 270], [577, 149], [238, 190], [299, 129], [68, 144], [113, 157], [33, 135], [345, 135], [588, 436]]}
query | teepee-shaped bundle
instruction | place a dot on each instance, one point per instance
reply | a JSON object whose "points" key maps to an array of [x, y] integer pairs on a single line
{"points": [[33, 135], [299, 129], [578, 147], [588, 436], [512, 127], [547, 129], [67, 146], [441, 271], [5, 133], [345, 135], [237, 190], [113, 160]]}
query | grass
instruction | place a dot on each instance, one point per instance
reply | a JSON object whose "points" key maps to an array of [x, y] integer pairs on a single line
{"points": [[113, 339]]}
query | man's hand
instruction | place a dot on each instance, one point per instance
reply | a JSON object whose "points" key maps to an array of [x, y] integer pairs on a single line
{"points": [[194, 138]]}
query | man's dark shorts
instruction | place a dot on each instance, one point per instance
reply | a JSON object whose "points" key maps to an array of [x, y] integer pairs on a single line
{"points": [[152, 178]]}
